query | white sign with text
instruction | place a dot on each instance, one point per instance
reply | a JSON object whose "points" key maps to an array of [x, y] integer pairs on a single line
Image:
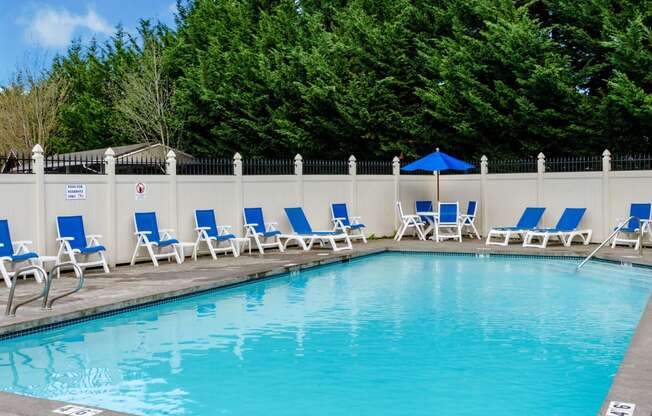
{"points": [[75, 191], [620, 409]]}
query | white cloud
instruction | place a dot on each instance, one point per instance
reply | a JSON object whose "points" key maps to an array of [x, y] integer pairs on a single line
{"points": [[50, 27]]}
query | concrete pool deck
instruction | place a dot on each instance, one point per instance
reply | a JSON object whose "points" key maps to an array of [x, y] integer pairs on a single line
{"points": [[142, 284]]}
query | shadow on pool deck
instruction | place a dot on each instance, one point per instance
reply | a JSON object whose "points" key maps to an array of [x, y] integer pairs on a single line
{"points": [[130, 286]]}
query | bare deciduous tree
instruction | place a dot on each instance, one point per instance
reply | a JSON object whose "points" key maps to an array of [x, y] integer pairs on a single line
{"points": [[145, 101], [28, 109]]}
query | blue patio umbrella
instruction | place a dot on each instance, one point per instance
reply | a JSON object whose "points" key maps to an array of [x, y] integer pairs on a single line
{"points": [[436, 162]]}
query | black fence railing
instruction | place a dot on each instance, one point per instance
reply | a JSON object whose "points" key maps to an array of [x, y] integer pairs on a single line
{"points": [[205, 167], [268, 167], [631, 162], [15, 163], [140, 166], [325, 167], [374, 167], [71, 164], [512, 166], [574, 164]]}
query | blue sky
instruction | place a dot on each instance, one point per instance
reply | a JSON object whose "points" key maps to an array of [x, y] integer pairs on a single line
{"points": [[33, 29]]}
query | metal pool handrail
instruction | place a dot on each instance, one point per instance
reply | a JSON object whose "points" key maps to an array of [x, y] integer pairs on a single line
{"points": [[11, 309], [80, 277], [612, 235]]}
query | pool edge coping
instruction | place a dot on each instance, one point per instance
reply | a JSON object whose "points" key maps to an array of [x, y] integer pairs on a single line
{"points": [[631, 383]]}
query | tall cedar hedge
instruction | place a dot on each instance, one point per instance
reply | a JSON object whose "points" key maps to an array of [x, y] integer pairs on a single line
{"points": [[377, 78]]}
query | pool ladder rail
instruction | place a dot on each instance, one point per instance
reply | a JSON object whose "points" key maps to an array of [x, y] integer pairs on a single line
{"points": [[47, 285], [612, 235]]}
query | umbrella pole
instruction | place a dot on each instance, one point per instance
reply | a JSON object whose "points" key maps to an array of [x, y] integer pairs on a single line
{"points": [[437, 186]]}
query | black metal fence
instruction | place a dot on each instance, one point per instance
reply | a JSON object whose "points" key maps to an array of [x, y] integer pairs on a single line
{"points": [[268, 167], [325, 167], [15, 163], [512, 165], [374, 167], [631, 162], [140, 166], [574, 164], [205, 167], [72, 164]]}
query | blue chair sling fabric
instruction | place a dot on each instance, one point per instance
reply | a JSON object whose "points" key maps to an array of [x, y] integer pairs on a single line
{"points": [[300, 223], [448, 213], [255, 216], [639, 212], [73, 227], [7, 248], [146, 221], [528, 221], [206, 219], [340, 211], [424, 206]]}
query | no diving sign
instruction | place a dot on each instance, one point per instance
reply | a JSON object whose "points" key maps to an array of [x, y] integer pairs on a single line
{"points": [[620, 409], [141, 191]]}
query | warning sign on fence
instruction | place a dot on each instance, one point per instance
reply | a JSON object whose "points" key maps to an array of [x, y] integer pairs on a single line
{"points": [[141, 191]]}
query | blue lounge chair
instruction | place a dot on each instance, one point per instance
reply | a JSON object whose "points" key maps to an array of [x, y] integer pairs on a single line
{"points": [[213, 235], [448, 218], [13, 253], [425, 206], [74, 242], [633, 232], [149, 236], [306, 236], [261, 231], [350, 225], [408, 221], [565, 230], [468, 219], [529, 221]]}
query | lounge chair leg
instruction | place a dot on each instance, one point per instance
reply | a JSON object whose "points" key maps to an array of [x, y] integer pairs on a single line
{"points": [[152, 255], [133, 257]]}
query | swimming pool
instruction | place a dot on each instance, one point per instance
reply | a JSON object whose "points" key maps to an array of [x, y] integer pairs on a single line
{"points": [[394, 333]]}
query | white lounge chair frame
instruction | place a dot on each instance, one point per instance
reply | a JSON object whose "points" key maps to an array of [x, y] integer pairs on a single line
{"points": [[565, 237], [307, 241], [143, 241], [454, 228], [20, 247], [468, 221], [213, 243], [505, 236], [619, 239], [348, 229], [261, 240], [408, 221], [66, 250]]}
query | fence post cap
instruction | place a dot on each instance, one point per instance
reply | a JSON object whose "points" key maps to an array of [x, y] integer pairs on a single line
{"points": [[352, 158], [298, 157], [171, 155], [37, 149], [541, 156], [396, 159], [237, 156], [109, 152], [484, 159], [606, 153]]}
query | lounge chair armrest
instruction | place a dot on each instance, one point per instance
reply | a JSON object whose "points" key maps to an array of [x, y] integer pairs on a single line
{"points": [[202, 228], [251, 224], [65, 239], [142, 233], [93, 236]]}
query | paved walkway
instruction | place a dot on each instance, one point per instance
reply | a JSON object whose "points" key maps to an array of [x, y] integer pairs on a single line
{"points": [[143, 283]]}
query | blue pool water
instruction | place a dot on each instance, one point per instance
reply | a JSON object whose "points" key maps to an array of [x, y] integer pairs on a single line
{"points": [[391, 334]]}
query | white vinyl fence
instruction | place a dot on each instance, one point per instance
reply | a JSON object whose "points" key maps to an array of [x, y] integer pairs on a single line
{"points": [[32, 201]]}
